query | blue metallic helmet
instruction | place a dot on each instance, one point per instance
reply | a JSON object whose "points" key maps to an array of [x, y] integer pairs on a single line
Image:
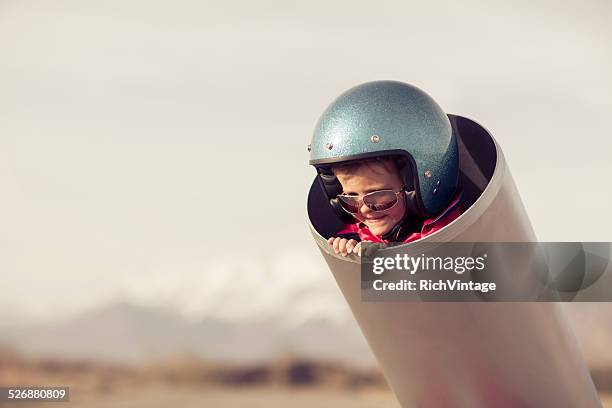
{"points": [[390, 118]]}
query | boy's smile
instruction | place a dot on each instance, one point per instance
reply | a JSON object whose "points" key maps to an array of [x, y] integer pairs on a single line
{"points": [[373, 177]]}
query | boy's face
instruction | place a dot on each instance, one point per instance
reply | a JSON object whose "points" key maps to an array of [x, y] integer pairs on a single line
{"points": [[372, 177]]}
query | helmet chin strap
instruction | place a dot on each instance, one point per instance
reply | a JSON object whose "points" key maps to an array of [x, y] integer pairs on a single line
{"points": [[412, 204], [410, 223]]}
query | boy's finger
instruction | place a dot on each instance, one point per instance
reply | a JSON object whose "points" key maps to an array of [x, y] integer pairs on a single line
{"points": [[350, 245], [342, 246], [336, 243], [357, 249], [331, 240], [354, 244]]}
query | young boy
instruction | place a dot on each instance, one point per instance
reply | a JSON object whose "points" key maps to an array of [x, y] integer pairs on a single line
{"points": [[387, 158], [373, 193]]}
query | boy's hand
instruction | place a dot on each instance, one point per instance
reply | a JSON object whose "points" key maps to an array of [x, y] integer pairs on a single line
{"points": [[345, 246]]}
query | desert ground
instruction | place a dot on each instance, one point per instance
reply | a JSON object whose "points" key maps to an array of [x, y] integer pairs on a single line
{"points": [[190, 383]]}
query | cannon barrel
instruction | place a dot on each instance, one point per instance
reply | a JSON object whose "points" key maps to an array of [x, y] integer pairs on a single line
{"points": [[467, 354]]}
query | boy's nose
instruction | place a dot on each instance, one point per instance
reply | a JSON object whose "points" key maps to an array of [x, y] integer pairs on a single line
{"points": [[364, 209]]}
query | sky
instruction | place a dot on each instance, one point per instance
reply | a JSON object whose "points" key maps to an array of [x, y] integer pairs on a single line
{"points": [[156, 152]]}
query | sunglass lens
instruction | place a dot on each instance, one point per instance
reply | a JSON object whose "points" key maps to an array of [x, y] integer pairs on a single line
{"points": [[350, 204], [380, 200]]}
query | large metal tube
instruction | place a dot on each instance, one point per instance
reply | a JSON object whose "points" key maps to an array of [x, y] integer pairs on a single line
{"points": [[467, 354]]}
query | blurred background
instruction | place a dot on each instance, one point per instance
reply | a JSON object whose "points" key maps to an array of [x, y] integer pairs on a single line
{"points": [[154, 246]]}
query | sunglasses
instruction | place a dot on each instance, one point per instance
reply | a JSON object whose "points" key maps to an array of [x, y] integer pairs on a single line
{"points": [[377, 201]]}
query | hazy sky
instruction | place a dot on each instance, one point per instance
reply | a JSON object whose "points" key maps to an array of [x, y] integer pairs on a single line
{"points": [[156, 151]]}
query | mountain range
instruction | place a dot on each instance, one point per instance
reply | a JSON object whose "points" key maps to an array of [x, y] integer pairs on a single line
{"points": [[130, 334]]}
